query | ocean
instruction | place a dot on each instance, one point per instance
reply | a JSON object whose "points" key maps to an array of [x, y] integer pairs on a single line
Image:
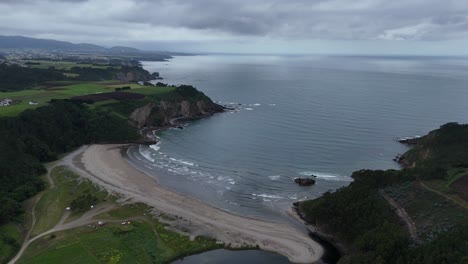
{"points": [[296, 116]]}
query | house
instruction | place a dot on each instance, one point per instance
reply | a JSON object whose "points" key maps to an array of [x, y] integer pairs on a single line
{"points": [[33, 103]]}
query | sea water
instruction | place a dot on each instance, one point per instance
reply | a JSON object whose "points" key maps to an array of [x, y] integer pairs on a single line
{"points": [[296, 116]]}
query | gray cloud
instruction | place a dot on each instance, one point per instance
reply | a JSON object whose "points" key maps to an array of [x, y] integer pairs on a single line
{"points": [[228, 20]]}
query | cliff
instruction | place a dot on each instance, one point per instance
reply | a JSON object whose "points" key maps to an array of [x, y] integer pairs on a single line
{"points": [[165, 113], [133, 74]]}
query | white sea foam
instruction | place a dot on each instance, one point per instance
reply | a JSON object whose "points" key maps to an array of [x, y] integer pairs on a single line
{"points": [[146, 154], [274, 177], [183, 162], [272, 104], [155, 147], [326, 176], [248, 109], [270, 196], [256, 104]]}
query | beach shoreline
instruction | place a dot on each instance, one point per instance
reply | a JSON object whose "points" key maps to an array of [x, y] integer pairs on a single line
{"points": [[106, 166]]}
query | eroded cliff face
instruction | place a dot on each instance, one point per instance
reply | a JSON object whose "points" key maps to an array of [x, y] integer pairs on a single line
{"points": [[165, 113], [133, 76]]}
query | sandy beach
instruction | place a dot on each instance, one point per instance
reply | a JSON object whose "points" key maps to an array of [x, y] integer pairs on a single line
{"points": [[105, 165]]}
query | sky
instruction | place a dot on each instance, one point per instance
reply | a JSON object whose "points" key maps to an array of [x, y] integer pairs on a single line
{"points": [[417, 27]]}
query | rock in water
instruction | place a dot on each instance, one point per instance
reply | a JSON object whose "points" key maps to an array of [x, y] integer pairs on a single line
{"points": [[304, 181]]}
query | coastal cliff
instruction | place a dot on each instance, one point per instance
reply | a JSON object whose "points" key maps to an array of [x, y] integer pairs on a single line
{"points": [[133, 74], [164, 113]]}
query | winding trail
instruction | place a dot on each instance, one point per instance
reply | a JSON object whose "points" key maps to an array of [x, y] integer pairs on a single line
{"points": [[442, 194], [403, 215], [86, 218]]}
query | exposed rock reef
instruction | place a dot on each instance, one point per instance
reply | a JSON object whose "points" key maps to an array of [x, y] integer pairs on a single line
{"points": [[165, 113]]}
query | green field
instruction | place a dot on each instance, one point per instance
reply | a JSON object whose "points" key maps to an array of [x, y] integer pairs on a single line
{"points": [[144, 240], [140, 242], [52, 205], [66, 89], [63, 65]]}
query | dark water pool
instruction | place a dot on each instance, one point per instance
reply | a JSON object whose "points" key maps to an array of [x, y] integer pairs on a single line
{"points": [[234, 257]]}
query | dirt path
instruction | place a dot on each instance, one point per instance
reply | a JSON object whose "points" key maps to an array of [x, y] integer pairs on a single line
{"points": [[85, 219], [442, 194], [403, 215]]}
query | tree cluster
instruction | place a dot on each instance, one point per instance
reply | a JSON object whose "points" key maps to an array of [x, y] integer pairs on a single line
{"points": [[15, 78], [42, 134]]}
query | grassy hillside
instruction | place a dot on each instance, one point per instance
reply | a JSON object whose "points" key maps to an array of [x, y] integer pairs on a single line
{"points": [[143, 239], [430, 195]]}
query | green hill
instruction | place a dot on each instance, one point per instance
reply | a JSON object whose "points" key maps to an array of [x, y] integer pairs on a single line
{"points": [[416, 215]]}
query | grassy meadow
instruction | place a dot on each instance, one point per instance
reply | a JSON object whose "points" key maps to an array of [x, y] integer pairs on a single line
{"points": [[64, 90], [144, 240]]}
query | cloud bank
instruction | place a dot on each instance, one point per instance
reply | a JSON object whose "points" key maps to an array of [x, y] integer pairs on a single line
{"points": [[228, 21]]}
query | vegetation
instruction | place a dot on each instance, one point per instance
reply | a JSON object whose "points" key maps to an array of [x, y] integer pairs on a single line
{"points": [[71, 191], [10, 241], [20, 78], [145, 242], [32, 134], [143, 239], [40, 135], [359, 216]]}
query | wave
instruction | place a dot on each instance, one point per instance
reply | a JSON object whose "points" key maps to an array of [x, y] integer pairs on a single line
{"points": [[270, 196], [326, 176], [155, 147], [183, 162], [274, 177], [248, 108], [146, 154]]}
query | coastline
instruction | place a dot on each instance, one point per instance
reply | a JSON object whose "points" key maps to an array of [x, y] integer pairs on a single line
{"points": [[105, 166]]}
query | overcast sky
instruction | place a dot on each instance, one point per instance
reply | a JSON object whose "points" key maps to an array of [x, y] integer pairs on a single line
{"points": [[255, 26]]}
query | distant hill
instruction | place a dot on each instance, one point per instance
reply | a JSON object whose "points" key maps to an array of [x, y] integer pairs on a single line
{"points": [[19, 42], [120, 49]]}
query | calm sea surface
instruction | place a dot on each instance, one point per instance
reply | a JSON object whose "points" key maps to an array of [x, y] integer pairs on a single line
{"points": [[296, 116]]}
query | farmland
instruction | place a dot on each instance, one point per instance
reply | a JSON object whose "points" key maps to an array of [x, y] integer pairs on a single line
{"points": [[62, 65], [68, 89]]}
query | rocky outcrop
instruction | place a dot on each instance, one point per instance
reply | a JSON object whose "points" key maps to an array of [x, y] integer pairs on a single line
{"points": [[304, 181], [165, 113], [133, 76]]}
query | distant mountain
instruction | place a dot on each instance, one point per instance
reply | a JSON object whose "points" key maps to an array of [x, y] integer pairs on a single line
{"points": [[19, 42], [120, 49]]}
